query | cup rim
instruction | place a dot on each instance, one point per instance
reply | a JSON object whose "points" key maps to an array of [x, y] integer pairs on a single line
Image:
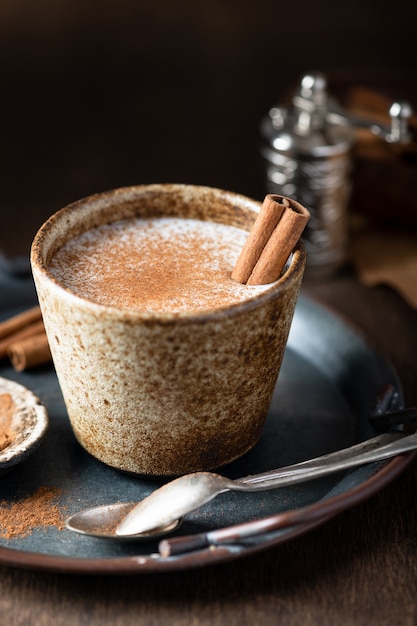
{"points": [[104, 199]]}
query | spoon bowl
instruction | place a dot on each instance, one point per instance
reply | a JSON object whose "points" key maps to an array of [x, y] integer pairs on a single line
{"points": [[102, 521]]}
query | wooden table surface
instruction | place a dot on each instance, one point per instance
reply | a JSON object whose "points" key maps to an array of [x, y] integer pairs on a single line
{"points": [[89, 104]]}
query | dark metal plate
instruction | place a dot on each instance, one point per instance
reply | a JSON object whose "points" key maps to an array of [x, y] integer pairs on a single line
{"points": [[328, 384]]}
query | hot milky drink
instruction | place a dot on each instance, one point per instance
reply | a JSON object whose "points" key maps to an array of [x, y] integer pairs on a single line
{"points": [[156, 265], [166, 364]]}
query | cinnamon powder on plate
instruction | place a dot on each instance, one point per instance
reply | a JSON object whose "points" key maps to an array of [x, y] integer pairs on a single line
{"points": [[7, 434], [38, 510]]}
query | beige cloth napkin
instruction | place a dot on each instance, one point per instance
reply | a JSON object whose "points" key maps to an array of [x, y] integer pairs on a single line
{"points": [[386, 256], [384, 229]]}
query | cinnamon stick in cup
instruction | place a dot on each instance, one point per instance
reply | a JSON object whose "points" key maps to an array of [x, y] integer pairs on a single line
{"points": [[280, 244], [268, 217], [271, 240]]}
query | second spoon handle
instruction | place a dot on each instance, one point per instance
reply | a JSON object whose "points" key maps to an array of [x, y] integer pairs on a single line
{"points": [[378, 448]]}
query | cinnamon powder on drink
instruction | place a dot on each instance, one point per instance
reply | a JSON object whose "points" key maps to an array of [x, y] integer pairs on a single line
{"points": [[7, 434], [38, 510]]}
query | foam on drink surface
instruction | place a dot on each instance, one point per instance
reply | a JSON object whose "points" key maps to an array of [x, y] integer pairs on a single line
{"points": [[155, 265]]}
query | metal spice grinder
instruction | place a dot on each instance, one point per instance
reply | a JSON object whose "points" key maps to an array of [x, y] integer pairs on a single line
{"points": [[306, 149]]}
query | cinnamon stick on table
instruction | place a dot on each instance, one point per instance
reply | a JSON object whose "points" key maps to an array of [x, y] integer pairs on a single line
{"points": [[31, 330], [29, 352], [20, 321], [275, 232], [23, 339]]}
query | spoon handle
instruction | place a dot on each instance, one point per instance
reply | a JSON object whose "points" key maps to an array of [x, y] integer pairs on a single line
{"points": [[376, 449]]}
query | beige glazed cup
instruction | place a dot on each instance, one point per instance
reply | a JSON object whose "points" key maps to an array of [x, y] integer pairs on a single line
{"points": [[164, 394]]}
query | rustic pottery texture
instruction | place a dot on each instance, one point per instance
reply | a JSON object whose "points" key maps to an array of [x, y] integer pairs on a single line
{"points": [[164, 394]]}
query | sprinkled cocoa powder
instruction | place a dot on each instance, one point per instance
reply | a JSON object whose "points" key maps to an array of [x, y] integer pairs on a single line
{"points": [[159, 265], [39, 510], [7, 434]]}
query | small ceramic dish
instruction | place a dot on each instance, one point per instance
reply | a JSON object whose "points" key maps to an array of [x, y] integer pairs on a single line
{"points": [[23, 423]]}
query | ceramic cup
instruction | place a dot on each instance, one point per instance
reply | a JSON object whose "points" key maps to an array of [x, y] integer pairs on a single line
{"points": [[164, 394]]}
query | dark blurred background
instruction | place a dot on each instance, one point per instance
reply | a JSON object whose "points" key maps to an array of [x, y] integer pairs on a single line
{"points": [[97, 94]]}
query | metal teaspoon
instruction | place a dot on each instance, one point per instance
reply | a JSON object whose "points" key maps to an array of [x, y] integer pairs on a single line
{"points": [[162, 511]]}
